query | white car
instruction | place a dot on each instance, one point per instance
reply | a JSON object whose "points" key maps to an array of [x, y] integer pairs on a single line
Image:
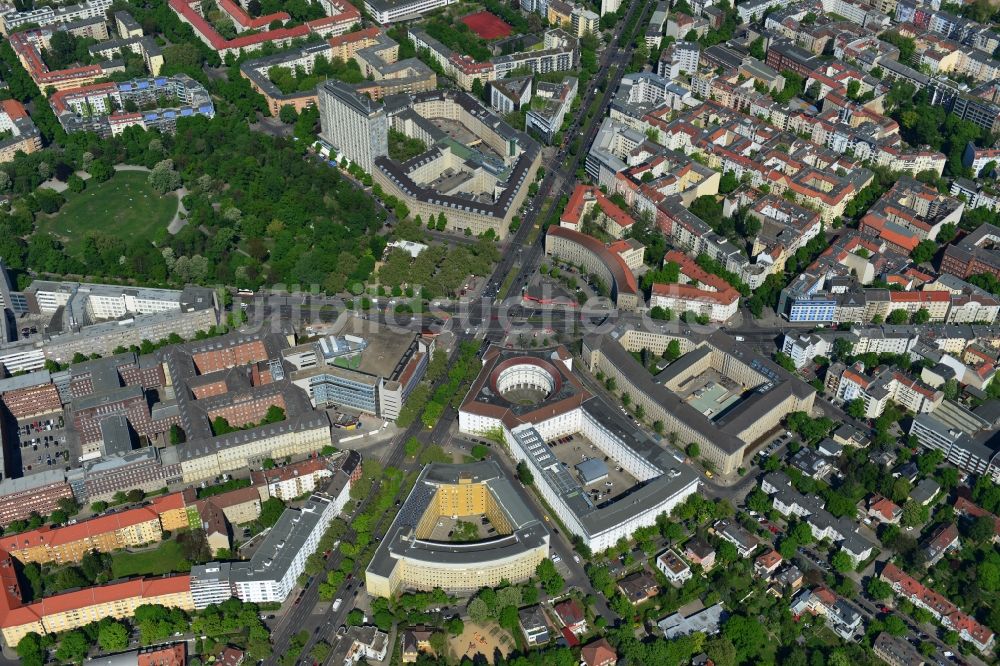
{"points": [[576, 558], [556, 558]]}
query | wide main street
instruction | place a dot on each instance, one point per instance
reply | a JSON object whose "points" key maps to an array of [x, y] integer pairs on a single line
{"points": [[558, 181]]}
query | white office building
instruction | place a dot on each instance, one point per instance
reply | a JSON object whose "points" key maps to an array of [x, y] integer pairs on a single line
{"points": [[661, 480], [355, 125], [390, 11]]}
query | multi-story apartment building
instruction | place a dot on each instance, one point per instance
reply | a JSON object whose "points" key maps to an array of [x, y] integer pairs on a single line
{"points": [[391, 11], [978, 252], [712, 297], [553, 102], [790, 502], [558, 53], [341, 18], [38, 493], [280, 559], [368, 368], [489, 179], [963, 446], [51, 14], [802, 348], [68, 543], [943, 610], [876, 392], [660, 483], [598, 259], [24, 136], [374, 51], [27, 46], [290, 481], [103, 107], [80, 330], [415, 562], [71, 610], [273, 571], [207, 459]]}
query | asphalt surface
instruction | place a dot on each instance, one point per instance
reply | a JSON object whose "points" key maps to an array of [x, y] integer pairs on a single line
{"points": [[322, 626], [556, 183]]}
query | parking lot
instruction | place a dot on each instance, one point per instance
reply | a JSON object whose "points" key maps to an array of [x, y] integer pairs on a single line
{"points": [[776, 443], [571, 450], [42, 444]]}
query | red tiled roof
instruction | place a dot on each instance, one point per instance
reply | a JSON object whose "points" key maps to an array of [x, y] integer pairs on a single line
{"points": [[293, 471], [231, 498], [230, 656], [919, 296], [598, 652], [886, 508], [58, 100], [944, 537], [356, 36], [770, 559], [915, 590], [624, 279], [13, 109], [238, 14], [914, 385], [170, 502], [348, 14], [857, 378], [574, 209], [52, 537], [965, 507], [825, 595], [689, 293], [878, 224], [167, 655], [17, 615], [570, 611]]}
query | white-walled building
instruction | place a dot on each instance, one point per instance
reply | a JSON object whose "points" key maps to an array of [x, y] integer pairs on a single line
{"points": [[663, 482], [291, 481], [352, 123], [275, 567], [273, 571], [802, 348], [673, 567]]}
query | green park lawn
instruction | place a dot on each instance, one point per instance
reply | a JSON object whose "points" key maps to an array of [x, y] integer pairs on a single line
{"points": [[124, 206], [168, 557]]}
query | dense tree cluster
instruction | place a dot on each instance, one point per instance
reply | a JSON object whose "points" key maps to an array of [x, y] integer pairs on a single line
{"points": [[234, 622], [924, 124], [270, 216], [298, 80], [66, 50], [438, 271], [403, 148], [457, 36]]}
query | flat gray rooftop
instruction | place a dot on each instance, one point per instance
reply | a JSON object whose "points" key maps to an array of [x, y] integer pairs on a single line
{"points": [[387, 346], [400, 541], [673, 476]]}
